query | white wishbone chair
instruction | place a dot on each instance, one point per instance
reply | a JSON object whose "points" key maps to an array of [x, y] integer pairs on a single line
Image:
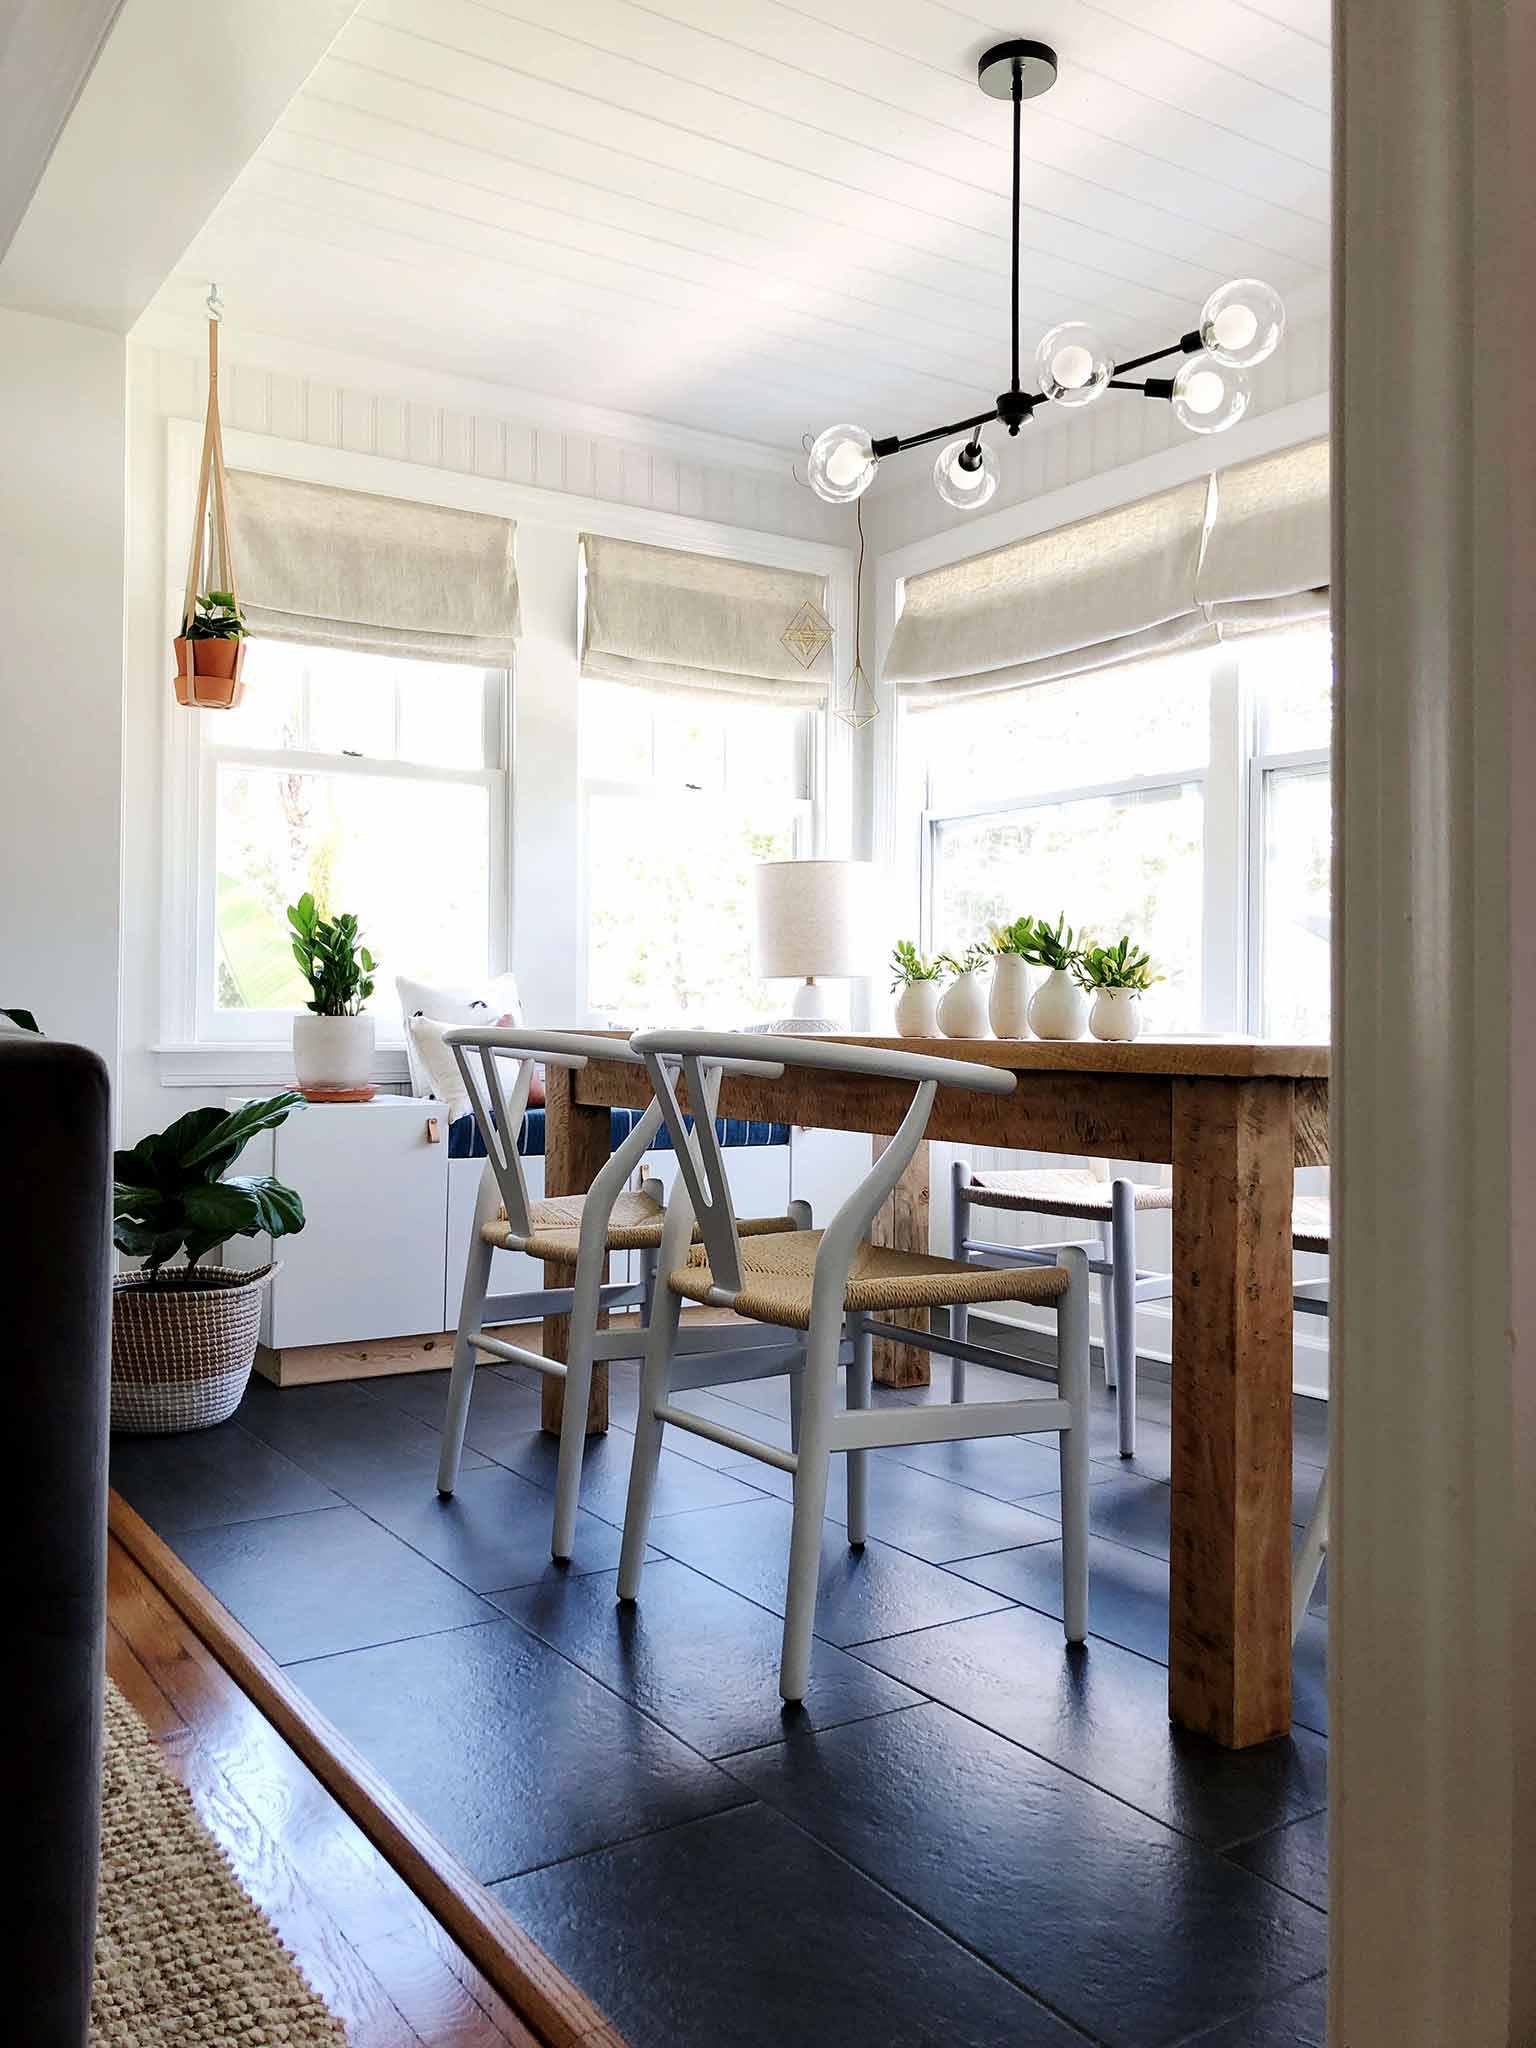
{"points": [[822, 1282], [569, 1230]]}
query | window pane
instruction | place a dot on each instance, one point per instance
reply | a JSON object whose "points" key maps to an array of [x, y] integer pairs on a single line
{"points": [[669, 894], [1291, 676], [616, 732], [408, 857], [705, 743], [1130, 863], [325, 700], [1074, 734], [1295, 934]]}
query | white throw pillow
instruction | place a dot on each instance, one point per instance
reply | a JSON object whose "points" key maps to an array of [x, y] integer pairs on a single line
{"points": [[451, 1007], [428, 1042]]}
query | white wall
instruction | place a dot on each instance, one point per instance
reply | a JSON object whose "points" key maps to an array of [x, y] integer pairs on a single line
{"points": [[62, 457]]}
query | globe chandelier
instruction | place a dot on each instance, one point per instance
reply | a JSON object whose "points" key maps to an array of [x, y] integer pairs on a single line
{"points": [[1240, 325]]}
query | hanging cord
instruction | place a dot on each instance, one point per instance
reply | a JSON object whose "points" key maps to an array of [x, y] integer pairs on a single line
{"points": [[858, 586], [1018, 114]]}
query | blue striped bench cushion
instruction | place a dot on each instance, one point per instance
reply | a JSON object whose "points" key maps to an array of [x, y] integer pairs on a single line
{"points": [[465, 1142]]}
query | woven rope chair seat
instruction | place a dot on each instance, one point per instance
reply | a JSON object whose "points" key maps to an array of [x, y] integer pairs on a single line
{"points": [[777, 1275], [634, 1226], [1057, 1191], [1309, 1223]]}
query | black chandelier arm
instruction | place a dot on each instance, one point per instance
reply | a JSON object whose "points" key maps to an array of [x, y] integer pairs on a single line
{"points": [[893, 444], [1186, 345]]}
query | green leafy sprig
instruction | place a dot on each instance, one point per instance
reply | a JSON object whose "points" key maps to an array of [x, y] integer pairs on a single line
{"points": [[1015, 938], [169, 1193], [1119, 966], [1052, 945], [908, 966], [337, 968], [968, 962]]}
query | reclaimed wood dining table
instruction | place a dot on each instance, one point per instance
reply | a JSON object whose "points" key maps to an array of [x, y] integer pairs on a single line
{"points": [[1233, 1117]]}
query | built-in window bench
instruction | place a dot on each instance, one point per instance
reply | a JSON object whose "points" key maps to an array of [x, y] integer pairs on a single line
{"points": [[371, 1284]]}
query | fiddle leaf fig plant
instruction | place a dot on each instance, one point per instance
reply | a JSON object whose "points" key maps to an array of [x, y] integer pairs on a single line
{"points": [[908, 966], [216, 617], [1118, 966], [338, 969], [1052, 945], [171, 1192]]}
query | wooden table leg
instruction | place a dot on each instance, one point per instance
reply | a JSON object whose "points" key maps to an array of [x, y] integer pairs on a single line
{"points": [[1229, 1623], [576, 1147], [903, 1223]]}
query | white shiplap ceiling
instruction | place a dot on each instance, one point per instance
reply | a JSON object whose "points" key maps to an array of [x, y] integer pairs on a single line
{"points": [[755, 217]]}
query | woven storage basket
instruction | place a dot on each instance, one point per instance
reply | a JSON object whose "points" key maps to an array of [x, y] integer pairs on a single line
{"points": [[183, 1346]]}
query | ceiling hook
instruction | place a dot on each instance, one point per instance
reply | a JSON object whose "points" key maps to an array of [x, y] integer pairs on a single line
{"points": [[214, 303]]}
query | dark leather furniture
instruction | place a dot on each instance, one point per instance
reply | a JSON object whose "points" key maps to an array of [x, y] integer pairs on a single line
{"points": [[56, 1170]]}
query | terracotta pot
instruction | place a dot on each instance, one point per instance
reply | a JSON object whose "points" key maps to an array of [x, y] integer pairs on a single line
{"points": [[208, 673]]}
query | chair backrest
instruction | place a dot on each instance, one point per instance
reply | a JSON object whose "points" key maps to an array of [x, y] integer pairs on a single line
{"points": [[499, 1114], [704, 1057]]}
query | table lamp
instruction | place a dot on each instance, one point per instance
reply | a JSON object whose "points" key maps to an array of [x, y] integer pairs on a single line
{"points": [[815, 919]]}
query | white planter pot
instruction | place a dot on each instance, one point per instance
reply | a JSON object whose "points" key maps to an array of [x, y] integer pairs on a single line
{"points": [[333, 1055], [1116, 1014], [963, 1007], [1008, 1004], [917, 1010], [1058, 1008]]}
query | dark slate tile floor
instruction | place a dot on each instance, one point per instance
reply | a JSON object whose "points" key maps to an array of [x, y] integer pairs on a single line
{"points": [[967, 1834]]}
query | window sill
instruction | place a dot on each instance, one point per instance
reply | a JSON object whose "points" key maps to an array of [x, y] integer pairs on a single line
{"points": [[256, 1064]]}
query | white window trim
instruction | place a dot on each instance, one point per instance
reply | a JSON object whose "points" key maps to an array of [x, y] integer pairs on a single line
{"points": [[186, 1059]]}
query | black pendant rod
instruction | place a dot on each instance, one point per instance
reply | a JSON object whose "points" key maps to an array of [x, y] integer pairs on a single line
{"points": [[1018, 115]]}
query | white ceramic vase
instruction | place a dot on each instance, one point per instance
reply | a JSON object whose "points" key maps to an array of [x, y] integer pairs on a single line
{"points": [[1008, 1004], [963, 1007], [1116, 1014], [917, 1010], [333, 1055], [1058, 1008]]}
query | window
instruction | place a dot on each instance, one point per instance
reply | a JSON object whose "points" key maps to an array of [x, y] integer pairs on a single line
{"points": [[1124, 798], [1290, 677], [683, 795], [1085, 796], [378, 783]]}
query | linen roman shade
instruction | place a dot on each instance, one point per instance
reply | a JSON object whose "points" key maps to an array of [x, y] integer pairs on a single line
{"points": [[377, 575], [665, 619], [1243, 551]]}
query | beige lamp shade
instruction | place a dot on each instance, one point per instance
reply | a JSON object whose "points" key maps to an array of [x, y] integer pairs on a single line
{"points": [[815, 917]]}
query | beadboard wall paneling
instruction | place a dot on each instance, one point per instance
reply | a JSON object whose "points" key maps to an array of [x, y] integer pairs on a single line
{"points": [[329, 415]]}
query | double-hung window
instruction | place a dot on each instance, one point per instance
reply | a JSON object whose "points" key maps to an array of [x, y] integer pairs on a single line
{"points": [[1288, 678], [682, 796], [378, 783]]}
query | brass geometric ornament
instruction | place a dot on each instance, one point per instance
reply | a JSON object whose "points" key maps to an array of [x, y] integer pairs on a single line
{"points": [[856, 703], [808, 634]]}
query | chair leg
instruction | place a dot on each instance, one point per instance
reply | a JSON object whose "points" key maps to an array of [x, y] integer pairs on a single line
{"points": [[655, 1377], [1309, 1558], [860, 1376], [1107, 1309], [573, 1438], [1072, 1320], [796, 1397], [820, 1378], [461, 1380], [1123, 1254], [959, 1231]]}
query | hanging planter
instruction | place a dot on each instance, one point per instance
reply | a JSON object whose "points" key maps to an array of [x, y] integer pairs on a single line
{"points": [[210, 648]]}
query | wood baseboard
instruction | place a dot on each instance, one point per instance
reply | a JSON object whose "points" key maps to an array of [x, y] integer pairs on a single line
{"points": [[557, 2013]]}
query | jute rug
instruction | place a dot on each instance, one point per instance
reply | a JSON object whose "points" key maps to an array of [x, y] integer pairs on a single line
{"points": [[183, 1958]]}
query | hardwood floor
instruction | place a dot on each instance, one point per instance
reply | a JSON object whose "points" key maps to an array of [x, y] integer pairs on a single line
{"points": [[379, 1960]]}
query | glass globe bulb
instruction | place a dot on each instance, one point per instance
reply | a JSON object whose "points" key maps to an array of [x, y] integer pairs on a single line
{"points": [[1242, 323], [965, 488], [1073, 364], [1208, 396], [842, 464]]}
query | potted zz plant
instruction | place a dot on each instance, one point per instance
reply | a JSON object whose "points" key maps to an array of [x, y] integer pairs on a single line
{"points": [[916, 988], [210, 654], [184, 1336], [333, 1044], [1057, 1009], [963, 1005], [1008, 1005], [1116, 976]]}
